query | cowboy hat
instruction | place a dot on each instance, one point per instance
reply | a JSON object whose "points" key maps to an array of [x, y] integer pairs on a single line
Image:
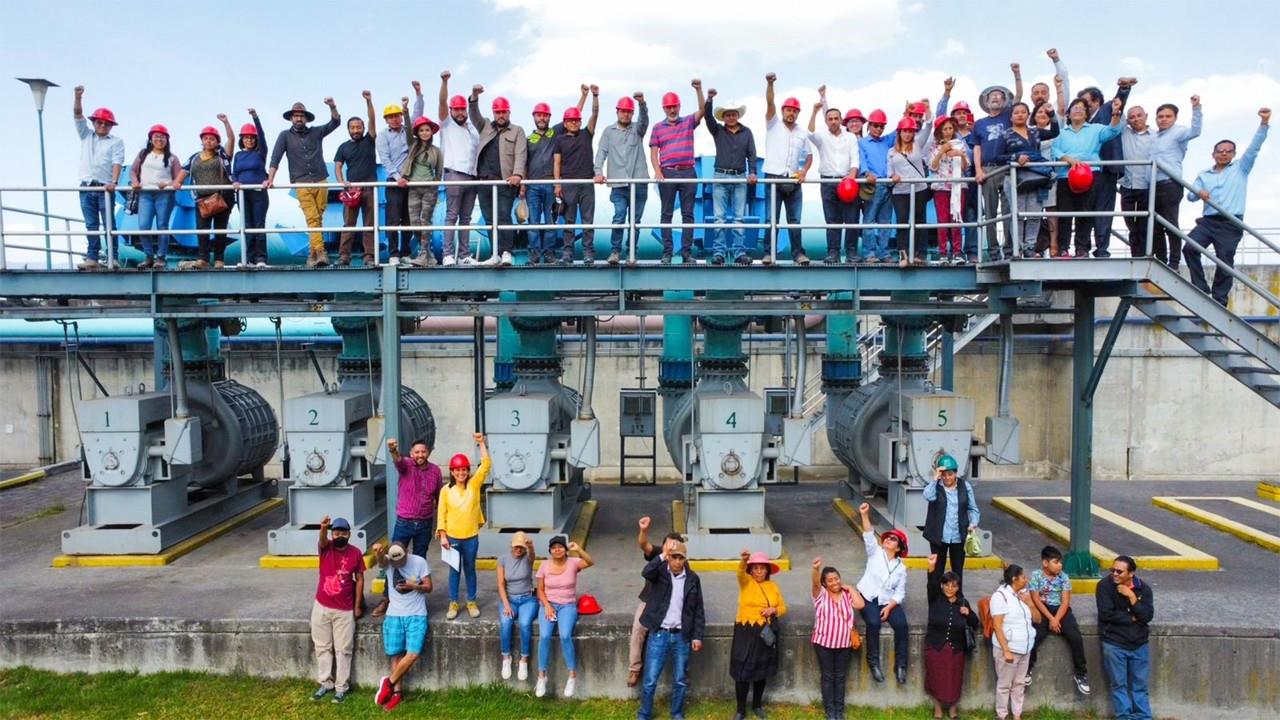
{"points": [[982, 98], [299, 107], [759, 557], [720, 111]]}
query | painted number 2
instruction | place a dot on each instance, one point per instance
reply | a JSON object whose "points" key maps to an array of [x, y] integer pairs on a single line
{"points": [[315, 418]]}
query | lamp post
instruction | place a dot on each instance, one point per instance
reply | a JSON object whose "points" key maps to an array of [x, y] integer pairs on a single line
{"points": [[39, 87]]}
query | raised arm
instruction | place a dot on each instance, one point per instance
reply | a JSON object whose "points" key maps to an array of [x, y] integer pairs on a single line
{"points": [[945, 100], [324, 533], [642, 539], [769, 109], [334, 118], [1017, 81], [864, 510], [1060, 70], [595, 110], [713, 126], [1197, 120], [697, 88], [813, 116], [642, 121], [473, 108], [443, 110], [262, 134], [815, 577], [230, 145], [1060, 89], [582, 97], [371, 129], [583, 555], [419, 105], [77, 107], [1255, 145]]}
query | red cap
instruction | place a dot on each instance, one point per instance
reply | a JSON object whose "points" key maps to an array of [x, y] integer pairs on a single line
{"points": [[542, 108], [459, 461], [248, 129], [500, 104], [104, 115], [457, 102], [854, 114], [424, 120], [962, 105], [162, 130], [907, 123], [210, 130], [919, 109], [573, 113], [626, 103], [878, 116], [791, 103], [670, 100]]}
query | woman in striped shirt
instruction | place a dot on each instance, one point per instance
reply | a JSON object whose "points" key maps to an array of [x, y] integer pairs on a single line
{"points": [[834, 635]]}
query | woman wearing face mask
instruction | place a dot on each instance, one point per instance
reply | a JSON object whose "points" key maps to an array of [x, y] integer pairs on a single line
{"points": [[883, 588], [156, 174], [249, 167], [211, 166], [558, 594], [753, 657], [835, 636], [1080, 142], [1021, 144], [459, 519], [1014, 617], [944, 640]]}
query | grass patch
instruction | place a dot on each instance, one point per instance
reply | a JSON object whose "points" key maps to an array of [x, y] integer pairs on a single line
{"points": [[28, 694], [54, 509]]}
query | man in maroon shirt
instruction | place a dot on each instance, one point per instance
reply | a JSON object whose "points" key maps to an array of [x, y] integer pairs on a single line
{"points": [[417, 495], [339, 603]]}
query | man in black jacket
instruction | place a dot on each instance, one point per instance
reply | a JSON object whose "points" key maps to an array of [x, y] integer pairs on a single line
{"points": [[1126, 606], [675, 619]]}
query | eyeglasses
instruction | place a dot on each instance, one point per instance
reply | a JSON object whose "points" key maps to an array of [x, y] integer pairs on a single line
{"points": [[876, 124], [1118, 571]]}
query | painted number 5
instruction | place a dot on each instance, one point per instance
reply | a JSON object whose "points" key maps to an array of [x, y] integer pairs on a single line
{"points": [[942, 418]]}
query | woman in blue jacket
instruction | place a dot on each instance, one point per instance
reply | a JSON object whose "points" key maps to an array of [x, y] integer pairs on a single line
{"points": [[249, 167]]}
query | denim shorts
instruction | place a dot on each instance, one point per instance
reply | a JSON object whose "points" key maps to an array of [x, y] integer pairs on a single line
{"points": [[404, 633]]}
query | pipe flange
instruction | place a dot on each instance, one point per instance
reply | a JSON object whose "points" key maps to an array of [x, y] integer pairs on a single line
{"points": [[538, 367]]}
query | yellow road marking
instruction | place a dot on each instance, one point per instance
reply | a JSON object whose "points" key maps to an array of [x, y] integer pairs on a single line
{"points": [[305, 562], [1182, 557], [581, 529], [680, 524], [23, 479], [915, 562], [1220, 522], [1268, 491]]}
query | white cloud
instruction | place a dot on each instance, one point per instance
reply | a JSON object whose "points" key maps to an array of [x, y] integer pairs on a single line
{"points": [[485, 48], [1133, 65], [951, 48]]}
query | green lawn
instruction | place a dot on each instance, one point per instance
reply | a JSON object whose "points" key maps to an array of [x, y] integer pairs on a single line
{"points": [[27, 693]]}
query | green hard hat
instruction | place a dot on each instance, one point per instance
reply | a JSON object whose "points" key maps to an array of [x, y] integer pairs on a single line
{"points": [[946, 462]]}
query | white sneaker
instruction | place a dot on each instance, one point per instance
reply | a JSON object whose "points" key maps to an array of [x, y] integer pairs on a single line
{"points": [[522, 671], [570, 686], [468, 261], [260, 264], [540, 690], [506, 667], [506, 258], [448, 260], [393, 260]]}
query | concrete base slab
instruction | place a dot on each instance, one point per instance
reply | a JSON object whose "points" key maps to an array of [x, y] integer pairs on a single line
{"points": [[501, 542]]}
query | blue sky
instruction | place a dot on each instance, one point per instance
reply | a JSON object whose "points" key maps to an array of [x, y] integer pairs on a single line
{"points": [[181, 63]]}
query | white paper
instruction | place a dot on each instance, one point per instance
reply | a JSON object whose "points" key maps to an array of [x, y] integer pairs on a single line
{"points": [[451, 557]]}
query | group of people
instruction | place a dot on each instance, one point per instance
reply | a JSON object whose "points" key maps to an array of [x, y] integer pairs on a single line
{"points": [[873, 169], [670, 620]]}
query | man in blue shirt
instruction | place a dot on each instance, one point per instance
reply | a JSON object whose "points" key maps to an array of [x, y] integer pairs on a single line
{"points": [[1168, 148], [873, 158], [1225, 184], [986, 132]]}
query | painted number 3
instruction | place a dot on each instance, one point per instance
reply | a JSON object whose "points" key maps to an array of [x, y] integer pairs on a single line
{"points": [[942, 418], [515, 418]]}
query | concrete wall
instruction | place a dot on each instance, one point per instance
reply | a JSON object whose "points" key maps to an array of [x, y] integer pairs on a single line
{"points": [[1194, 674]]}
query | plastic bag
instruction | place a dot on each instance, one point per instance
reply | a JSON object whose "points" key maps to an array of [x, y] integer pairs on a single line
{"points": [[973, 544]]}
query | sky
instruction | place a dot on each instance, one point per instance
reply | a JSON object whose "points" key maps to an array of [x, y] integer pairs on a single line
{"points": [[150, 62]]}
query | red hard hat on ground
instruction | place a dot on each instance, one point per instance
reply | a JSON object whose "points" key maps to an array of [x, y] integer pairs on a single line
{"points": [[424, 120], [962, 105], [791, 103], [210, 130], [908, 123], [878, 116], [670, 100], [902, 540], [542, 108], [248, 129], [104, 115], [919, 109], [587, 605], [1080, 178], [573, 113], [854, 114], [457, 102], [501, 104], [847, 190], [160, 129], [459, 461], [626, 103]]}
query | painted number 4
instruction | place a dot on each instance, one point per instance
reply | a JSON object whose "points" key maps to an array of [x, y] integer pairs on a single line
{"points": [[732, 421]]}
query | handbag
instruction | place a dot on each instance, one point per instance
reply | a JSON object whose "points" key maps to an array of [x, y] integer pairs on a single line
{"points": [[855, 638], [131, 202], [1029, 183], [767, 635], [210, 205], [970, 639]]}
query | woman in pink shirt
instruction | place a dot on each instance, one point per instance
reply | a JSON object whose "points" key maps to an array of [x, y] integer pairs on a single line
{"points": [[558, 593], [834, 635]]}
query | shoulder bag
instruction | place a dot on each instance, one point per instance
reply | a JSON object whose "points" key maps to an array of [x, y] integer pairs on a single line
{"points": [[767, 634]]}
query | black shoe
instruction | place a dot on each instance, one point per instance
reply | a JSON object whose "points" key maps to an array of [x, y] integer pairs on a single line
{"points": [[743, 260], [901, 674], [759, 712], [876, 673], [686, 257], [831, 259], [715, 259], [666, 259]]}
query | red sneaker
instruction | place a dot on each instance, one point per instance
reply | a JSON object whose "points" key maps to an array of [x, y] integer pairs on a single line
{"points": [[384, 690], [393, 702]]}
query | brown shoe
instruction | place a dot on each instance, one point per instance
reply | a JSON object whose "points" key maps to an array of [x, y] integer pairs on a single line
{"points": [[218, 264], [633, 678]]}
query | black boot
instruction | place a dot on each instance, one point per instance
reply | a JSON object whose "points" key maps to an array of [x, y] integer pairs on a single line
{"points": [[901, 673], [876, 673]]}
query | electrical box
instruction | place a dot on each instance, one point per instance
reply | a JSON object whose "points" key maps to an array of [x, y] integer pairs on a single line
{"points": [[777, 405], [637, 413]]}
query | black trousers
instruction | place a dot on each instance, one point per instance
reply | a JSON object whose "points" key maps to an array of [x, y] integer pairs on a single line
{"points": [[398, 214], [255, 217], [902, 210], [506, 200], [952, 553], [1130, 201], [834, 666], [836, 211], [1070, 633], [901, 633], [1216, 233], [1104, 200], [740, 688], [218, 241], [1167, 244], [1081, 227]]}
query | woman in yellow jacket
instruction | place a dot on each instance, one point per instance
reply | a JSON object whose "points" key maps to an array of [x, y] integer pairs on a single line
{"points": [[754, 655], [459, 519]]}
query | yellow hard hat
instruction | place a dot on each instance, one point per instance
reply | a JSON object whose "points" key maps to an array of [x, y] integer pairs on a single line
{"points": [[392, 109]]}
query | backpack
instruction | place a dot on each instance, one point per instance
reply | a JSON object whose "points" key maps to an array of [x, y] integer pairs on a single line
{"points": [[984, 615]]}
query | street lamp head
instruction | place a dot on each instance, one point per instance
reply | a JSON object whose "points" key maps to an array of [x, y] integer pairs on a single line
{"points": [[39, 86]]}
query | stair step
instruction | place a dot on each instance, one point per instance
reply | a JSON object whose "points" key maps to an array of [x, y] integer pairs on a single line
{"points": [[1196, 333], [1243, 369], [1223, 351]]}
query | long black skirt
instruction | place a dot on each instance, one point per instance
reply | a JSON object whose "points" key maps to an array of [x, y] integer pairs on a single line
{"points": [[749, 658]]}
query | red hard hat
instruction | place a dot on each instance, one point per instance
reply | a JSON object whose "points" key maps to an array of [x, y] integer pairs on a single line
{"points": [[210, 130], [352, 197], [626, 103], [908, 123], [248, 129], [161, 129], [587, 605], [962, 105], [878, 116], [104, 115], [670, 100], [459, 461], [424, 120], [500, 104], [457, 102], [573, 113], [902, 540], [919, 109], [854, 114], [847, 190], [791, 103], [543, 108], [937, 122], [1080, 178]]}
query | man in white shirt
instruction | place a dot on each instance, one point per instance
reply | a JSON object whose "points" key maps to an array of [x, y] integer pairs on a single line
{"points": [[404, 631], [838, 159], [675, 618], [460, 143], [101, 157], [786, 156]]}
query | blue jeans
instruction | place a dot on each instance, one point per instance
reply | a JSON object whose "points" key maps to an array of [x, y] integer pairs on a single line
{"points": [[878, 210], [539, 199], [566, 619], [154, 208], [621, 199], [416, 531], [1127, 671], [901, 632], [255, 216], [729, 203], [467, 549], [525, 608], [662, 645], [95, 208]]}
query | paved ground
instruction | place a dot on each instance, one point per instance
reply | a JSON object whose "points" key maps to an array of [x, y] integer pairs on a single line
{"points": [[223, 580]]}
